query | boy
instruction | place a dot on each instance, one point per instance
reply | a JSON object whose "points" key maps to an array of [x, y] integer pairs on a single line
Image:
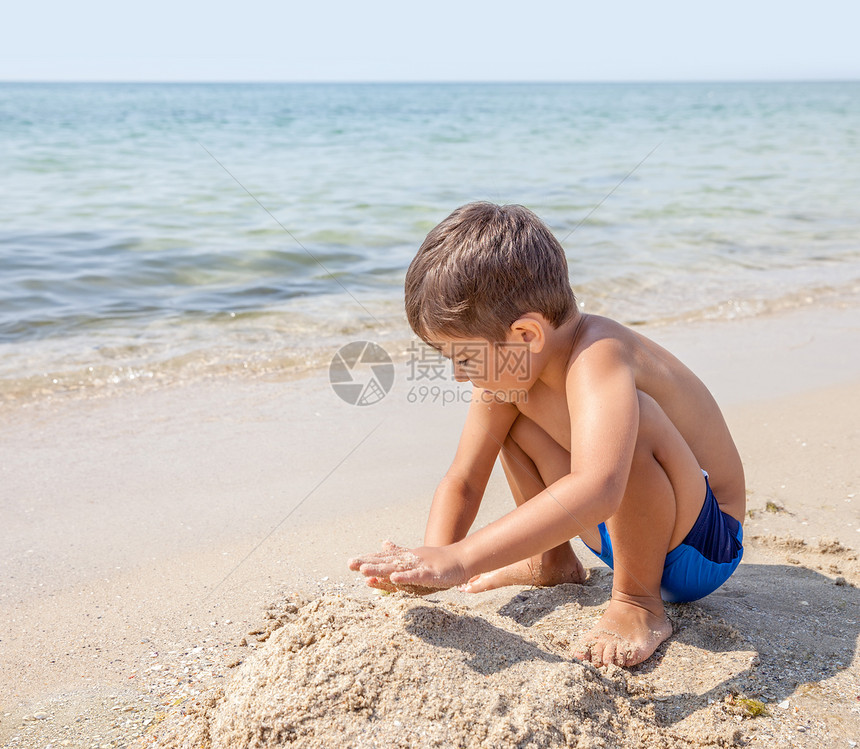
{"points": [[603, 435]]}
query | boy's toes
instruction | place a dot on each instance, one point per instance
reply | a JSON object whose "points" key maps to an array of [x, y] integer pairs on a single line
{"points": [[582, 651], [622, 655], [610, 650], [601, 649], [599, 653]]}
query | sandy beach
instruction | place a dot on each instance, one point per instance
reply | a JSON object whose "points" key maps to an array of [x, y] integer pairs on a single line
{"points": [[173, 572]]}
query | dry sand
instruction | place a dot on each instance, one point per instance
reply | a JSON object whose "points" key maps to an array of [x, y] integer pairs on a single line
{"points": [[407, 672], [143, 534]]}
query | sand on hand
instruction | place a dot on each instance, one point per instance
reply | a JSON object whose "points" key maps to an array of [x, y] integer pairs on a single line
{"points": [[401, 671]]}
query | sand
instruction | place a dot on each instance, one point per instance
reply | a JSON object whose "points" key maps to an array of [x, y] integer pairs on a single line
{"points": [[430, 674], [147, 536]]}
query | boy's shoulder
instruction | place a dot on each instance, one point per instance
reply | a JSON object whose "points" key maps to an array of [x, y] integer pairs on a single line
{"points": [[598, 327], [600, 342], [593, 351]]}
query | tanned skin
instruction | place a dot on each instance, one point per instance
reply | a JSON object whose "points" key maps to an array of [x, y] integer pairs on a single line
{"points": [[596, 423]]}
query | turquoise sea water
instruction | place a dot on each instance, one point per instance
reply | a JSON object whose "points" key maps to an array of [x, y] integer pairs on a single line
{"points": [[160, 232]]}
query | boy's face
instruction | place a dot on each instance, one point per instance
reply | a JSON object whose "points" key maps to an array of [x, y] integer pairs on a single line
{"points": [[501, 368]]}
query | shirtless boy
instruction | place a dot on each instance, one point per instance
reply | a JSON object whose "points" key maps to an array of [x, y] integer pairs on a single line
{"points": [[603, 434]]}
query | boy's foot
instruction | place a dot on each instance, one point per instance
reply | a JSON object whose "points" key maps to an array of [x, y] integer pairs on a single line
{"points": [[627, 634], [553, 568]]}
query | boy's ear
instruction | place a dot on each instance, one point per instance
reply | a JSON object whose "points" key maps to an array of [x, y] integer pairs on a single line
{"points": [[530, 330]]}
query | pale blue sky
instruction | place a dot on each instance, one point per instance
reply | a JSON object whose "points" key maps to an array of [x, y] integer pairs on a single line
{"points": [[441, 40]]}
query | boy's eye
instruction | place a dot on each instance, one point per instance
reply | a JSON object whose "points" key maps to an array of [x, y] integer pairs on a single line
{"points": [[462, 362]]}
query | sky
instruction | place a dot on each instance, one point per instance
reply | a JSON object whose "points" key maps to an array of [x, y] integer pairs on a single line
{"points": [[441, 40]]}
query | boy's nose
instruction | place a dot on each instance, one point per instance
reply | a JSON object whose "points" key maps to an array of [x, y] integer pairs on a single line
{"points": [[459, 374]]}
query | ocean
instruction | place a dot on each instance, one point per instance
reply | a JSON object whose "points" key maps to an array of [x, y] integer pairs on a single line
{"points": [[159, 233]]}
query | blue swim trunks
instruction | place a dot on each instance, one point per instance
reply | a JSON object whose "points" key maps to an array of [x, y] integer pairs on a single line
{"points": [[703, 561]]}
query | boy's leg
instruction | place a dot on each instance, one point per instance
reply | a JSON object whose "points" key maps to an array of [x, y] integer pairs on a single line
{"points": [[526, 479], [663, 498]]}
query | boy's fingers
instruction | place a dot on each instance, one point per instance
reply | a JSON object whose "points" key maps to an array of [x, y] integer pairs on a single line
{"points": [[375, 582], [391, 553], [391, 546], [417, 590], [377, 569], [417, 583], [359, 562], [375, 558], [406, 577]]}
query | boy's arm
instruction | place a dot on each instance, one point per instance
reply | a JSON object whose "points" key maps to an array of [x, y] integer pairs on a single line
{"points": [[458, 496], [604, 414]]}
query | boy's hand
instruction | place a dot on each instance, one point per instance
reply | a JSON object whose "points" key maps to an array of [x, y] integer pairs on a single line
{"points": [[420, 571]]}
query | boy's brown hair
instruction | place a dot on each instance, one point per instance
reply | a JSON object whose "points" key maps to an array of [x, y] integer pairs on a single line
{"points": [[481, 269]]}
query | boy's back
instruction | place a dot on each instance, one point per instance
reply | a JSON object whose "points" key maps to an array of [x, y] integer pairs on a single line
{"points": [[682, 396]]}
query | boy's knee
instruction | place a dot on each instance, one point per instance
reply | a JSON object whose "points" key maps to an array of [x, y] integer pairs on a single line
{"points": [[516, 434]]}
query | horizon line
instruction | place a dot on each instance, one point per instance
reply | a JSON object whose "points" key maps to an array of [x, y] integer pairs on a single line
{"points": [[441, 81]]}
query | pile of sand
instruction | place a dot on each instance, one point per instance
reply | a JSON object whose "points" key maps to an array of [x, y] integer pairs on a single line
{"points": [[401, 671]]}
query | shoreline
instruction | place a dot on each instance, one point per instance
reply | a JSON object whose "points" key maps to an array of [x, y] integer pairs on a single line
{"points": [[137, 521], [244, 347]]}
